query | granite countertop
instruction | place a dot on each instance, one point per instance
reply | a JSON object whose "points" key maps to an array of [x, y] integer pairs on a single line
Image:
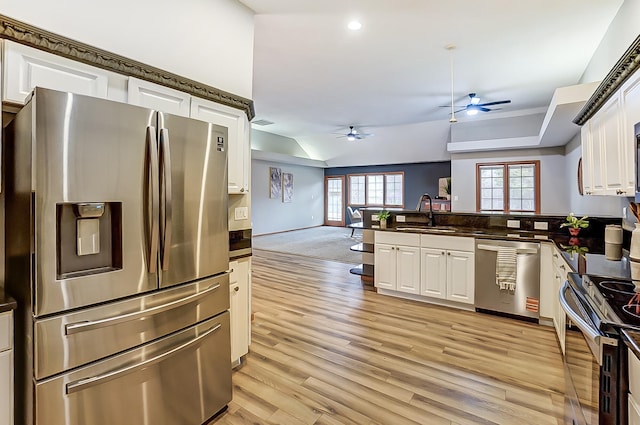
{"points": [[6, 302], [583, 254]]}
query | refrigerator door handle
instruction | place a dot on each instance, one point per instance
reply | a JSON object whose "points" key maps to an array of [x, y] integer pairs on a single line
{"points": [[83, 384], [166, 212], [152, 203]]}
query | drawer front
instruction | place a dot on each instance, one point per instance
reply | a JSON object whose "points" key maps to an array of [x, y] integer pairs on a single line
{"points": [[456, 243], [394, 238], [67, 341], [6, 331], [184, 378]]}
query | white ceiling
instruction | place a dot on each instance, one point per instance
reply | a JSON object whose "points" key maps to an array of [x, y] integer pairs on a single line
{"points": [[313, 77]]}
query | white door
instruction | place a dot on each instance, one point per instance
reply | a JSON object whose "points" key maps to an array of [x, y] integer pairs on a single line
{"points": [[385, 269], [433, 272], [460, 276], [408, 269], [334, 201]]}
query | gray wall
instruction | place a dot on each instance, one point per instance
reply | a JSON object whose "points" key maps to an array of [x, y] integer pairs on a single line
{"points": [[272, 215]]}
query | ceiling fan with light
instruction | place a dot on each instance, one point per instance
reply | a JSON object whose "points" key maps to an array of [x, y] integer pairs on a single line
{"points": [[354, 134], [474, 106]]}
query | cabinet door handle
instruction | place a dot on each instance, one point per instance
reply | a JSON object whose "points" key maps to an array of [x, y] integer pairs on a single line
{"points": [[448, 253], [237, 288]]}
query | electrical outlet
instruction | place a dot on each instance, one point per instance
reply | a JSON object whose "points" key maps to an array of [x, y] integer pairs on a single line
{"points": [[374, 217], [540, 225], [241, 213], [400, 219], [513, 224]]}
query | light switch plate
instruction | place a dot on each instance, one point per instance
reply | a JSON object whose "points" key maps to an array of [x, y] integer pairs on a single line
{"points": [[241, 213], [540, 225], [513, 224]]}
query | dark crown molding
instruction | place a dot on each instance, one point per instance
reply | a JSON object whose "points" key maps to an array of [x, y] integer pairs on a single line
{"points": [[11, 29], [622, 70]]}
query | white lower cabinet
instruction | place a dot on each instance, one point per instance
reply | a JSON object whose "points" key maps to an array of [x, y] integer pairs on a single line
{"points": [[240, 307], [397, 262], [437, 267], [560, 270], [634, 388], [6, 368], [447, 268]]}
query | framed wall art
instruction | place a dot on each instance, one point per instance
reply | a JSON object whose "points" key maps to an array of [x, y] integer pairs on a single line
{"points": [[287, 187], [275, 185]]}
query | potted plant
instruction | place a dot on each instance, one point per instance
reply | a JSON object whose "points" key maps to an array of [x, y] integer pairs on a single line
{"points": [[383, 216], [575, 224]]}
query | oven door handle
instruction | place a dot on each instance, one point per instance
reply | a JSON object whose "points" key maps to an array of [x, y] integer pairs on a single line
{"points": [[591, 335]]}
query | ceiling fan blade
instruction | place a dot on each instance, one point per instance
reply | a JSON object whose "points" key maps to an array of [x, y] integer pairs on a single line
{"points": [[484, 109], [499, 102], [455, 106], [460, 110]]}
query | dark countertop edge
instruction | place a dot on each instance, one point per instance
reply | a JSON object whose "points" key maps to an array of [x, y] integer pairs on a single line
{"points": [[6, 302], [236, 257], [631, 339], [479, 234]]}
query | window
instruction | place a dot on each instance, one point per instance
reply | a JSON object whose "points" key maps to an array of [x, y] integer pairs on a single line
{"points": [[356, 190], [508, 187], [376, 189]]}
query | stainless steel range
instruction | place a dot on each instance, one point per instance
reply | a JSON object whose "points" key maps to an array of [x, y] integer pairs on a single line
{"points": [[117, 252], [595, 358]]}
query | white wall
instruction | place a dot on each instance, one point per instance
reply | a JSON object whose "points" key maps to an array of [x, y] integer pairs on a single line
{"points": [[553, 185], [204, 40], [272, 215], [621, 33]]}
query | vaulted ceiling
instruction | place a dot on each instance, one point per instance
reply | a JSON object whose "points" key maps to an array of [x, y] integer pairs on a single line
{"points": [[313, 77]]}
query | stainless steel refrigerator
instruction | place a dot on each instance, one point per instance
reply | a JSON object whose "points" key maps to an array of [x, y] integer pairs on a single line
{"points": [[117, 252]]}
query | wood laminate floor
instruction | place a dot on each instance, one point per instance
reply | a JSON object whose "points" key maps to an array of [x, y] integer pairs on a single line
{"points": [[327, 350]]}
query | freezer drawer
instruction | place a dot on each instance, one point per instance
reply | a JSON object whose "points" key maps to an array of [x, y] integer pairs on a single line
{"points": [[182, 379], [74, 339]]}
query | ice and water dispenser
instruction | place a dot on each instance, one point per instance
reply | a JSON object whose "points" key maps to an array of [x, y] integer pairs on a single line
{"points": [[89, 238]]}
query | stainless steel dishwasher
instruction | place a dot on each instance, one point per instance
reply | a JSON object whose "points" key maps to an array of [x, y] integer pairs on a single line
{"points": [[524, 300]]}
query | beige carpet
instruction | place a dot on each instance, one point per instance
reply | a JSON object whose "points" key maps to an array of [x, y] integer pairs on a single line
{"points": [[325, 242]]}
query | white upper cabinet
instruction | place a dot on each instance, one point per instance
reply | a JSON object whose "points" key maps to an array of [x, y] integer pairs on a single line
{"points": [[608, 143], [160, 98], [239, 143], [25, 68]]}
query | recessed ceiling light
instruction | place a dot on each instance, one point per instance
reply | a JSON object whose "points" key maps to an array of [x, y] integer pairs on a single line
{"points": [[354, 25]]}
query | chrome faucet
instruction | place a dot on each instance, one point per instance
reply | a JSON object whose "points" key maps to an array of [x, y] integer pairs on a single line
{"points": [[421, 202]]}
